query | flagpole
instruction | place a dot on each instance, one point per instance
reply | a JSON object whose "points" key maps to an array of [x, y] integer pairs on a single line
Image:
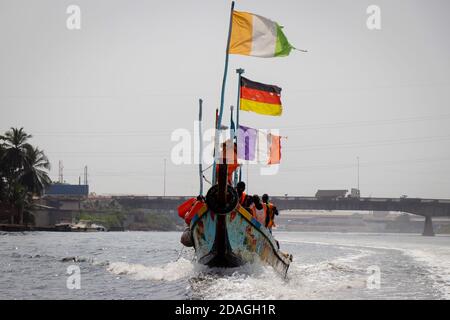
{"points": [[239, 71], [222, 95], [232, 135], [216, 147], [200, 169], [232, 130]]}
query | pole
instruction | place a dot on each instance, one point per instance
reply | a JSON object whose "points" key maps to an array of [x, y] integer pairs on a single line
{"points": [[200, 169], [165, 160], [358, 174], [215, 151], [222, 95], [232, 135], [239, 71], [232, 130]]}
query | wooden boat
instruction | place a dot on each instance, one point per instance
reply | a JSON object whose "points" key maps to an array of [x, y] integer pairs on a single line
{"points": [[224, 233], [227, 235]]}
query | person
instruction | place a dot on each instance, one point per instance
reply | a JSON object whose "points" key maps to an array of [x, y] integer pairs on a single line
{"points": [[244, 199], [187, 211], [271, 210], [230, 158], [259, 210]]}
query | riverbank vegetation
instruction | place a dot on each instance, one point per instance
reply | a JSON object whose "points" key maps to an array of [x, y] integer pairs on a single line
{"points": [[110, 220], [23, 174]]}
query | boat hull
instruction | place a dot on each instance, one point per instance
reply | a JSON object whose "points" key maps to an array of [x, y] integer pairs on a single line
{"points": [[233, 239]]}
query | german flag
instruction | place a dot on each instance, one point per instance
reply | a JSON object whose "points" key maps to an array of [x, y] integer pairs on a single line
{"points": [[260, 98]]}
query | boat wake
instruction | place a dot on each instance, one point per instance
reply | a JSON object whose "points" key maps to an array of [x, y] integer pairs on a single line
{"points": [[171, 271], [254, 281]]}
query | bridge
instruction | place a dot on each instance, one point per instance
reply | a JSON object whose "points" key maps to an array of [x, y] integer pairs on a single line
{"points": [[427, 208]]}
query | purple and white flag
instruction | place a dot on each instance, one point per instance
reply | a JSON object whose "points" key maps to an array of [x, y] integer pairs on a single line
{"points": [[246, 143]]}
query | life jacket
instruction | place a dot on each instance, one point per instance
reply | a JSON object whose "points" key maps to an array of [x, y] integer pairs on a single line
{"points": [[193, 211], [242, 199], [271, 222], [185, 207], [259, 214], [231, 160]]}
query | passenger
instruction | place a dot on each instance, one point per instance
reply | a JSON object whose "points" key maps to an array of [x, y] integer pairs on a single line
{"points": [[230, 159], [259, 210], [244, 200], [187, 211], [272, 212]]}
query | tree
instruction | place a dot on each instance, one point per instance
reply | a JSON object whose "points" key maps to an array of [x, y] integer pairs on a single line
{"points": [[16, 145], [2, 174], [23, 170], [34, 176]]}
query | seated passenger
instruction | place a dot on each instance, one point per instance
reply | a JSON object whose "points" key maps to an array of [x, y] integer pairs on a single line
{"points": [[244, 199], [259, 210], [272, 211]]}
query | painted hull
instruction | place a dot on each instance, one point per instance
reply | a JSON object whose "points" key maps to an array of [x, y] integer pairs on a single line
{"points": [[233, 239]]}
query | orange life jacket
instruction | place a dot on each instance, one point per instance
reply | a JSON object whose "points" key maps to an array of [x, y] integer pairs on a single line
{"points": [[271, 222], [242, 198], [194, 209], [185, 207]]}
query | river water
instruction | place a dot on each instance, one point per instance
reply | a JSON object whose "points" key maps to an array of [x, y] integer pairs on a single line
{"points": [[151, 265]]}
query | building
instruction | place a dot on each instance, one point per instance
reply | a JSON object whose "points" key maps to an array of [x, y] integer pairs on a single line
{"points": [[331, 194], [63, 203]]}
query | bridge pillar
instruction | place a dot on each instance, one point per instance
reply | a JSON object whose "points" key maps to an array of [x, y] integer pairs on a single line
{"points": [[428, 227]]}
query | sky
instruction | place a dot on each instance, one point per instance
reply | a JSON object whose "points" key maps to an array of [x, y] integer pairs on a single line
{"points": [[110, 94]]}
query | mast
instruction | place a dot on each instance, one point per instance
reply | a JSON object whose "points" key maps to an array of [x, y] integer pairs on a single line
{"points": [[200, 159], [216, 148], [232, 135], [222, 96], [239, 71]]}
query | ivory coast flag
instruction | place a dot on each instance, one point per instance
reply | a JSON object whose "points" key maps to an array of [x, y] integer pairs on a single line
{"points": [[260, 98], [253, 35]]}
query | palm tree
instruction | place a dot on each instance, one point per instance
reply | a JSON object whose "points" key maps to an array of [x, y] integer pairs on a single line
{"points": [[2, 172], [35, 176], [24, 168], [16, 145]]}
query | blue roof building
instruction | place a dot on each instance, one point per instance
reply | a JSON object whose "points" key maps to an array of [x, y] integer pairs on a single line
{"points": [[77, 190]]}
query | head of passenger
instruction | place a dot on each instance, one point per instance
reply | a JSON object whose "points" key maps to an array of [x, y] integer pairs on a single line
{"points": [[240, 187], [257, 202], [265, 198]]}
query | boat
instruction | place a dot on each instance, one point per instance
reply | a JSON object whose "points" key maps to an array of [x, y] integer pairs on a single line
{"points": [[87, 226], [226, 235]]}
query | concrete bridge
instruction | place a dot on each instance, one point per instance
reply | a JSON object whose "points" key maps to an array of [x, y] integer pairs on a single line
{"points": [[427, 208]]}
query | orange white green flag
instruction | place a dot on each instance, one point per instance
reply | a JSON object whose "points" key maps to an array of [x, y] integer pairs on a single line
{"points": [[253, 35]]}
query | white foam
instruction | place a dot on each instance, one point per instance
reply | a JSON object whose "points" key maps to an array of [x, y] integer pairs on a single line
{"points": [[323, 280], [171, 271], [435, 257], [438, 263]]}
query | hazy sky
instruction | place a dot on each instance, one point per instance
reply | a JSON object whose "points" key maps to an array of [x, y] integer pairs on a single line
{"points": [[109, 95]]}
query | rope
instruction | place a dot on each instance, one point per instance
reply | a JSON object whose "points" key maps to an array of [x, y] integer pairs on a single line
{"points": [[301, 50], [179, 255], [206, 180], [207, 168]]}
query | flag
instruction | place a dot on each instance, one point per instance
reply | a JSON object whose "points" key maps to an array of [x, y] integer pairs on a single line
{"points": [[274, 149], [246, 143], [260, 98], [258, 145], [253, 35]]}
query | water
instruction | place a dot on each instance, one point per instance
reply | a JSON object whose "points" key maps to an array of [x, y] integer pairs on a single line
{"points": [[148, 265]]}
